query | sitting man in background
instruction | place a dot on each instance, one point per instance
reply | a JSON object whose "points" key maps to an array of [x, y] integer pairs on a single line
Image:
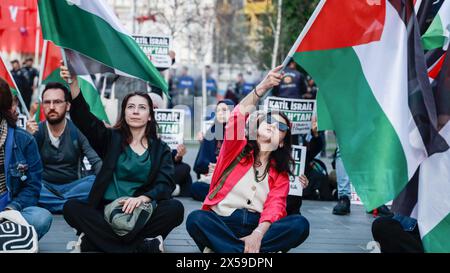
{"points": [[62, 148]]}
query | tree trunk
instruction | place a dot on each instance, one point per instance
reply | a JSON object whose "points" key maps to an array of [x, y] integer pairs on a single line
{"points": [[277, 34]]}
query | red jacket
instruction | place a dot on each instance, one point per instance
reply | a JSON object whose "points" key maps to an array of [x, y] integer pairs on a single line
{"points": [[234, 142]]}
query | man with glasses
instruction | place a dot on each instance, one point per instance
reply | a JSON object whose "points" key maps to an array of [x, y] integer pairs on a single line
{"points": [[62, 147]]}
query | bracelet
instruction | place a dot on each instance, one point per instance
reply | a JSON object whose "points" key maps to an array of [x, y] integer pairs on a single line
{"points": [[256, 93]]}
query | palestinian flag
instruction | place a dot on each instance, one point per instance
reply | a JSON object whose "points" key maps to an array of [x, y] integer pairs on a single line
{"points": [[91, 30], [437, 35], [367, 59], [427, 196], [51, 73], [433, 204], [51, 63], [6, 75]]}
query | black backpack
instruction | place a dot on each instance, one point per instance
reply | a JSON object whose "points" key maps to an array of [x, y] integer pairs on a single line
{"points": [[319, 187]]}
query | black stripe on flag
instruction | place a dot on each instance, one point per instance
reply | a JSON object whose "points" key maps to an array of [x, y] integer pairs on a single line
{"points": [[421, 99]]}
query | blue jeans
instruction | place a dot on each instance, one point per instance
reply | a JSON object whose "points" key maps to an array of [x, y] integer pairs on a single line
{"points": [[343, 181], [222, 234], [41, 219], [54, 198], [199, 191]]}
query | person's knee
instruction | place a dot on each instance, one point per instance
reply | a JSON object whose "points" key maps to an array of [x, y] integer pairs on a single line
{"points": [[71, 209], [199, 191], [302, 224], [183, 169], [175, 210], [40, 218], [194, 220], [380, 227]]}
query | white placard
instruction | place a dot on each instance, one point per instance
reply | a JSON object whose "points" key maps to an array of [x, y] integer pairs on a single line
{"points": [[299, 155], [156, 48], [299, 112], [170, 126]]}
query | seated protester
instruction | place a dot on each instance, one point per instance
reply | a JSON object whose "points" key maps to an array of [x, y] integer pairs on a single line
{"points": [[210, 145], [311, 181], [397, 234], [20, 167], [182, 177], [245, 210], [62, 148], [137, 165]]}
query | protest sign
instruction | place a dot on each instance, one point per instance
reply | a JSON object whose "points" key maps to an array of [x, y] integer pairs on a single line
{"points": [[299, 156], [156, 48], [299, 112], [170, 126]]}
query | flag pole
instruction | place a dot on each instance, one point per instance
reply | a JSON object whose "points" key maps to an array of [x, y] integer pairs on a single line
{"points": [[303, 33], [42, 68], [19, 95], [38, 38], [63, 54]]}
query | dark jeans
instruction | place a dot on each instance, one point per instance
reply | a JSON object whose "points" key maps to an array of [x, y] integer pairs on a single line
{"points": [[394, 239], [183, 178], [199, 191], [99, 235], [222, 234]]}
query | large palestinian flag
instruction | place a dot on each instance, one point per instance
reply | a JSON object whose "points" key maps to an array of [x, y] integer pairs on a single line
{"points": [[367, 59], [91, 30]]}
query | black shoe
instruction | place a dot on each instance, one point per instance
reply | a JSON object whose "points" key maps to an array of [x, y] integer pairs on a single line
{"points": [[382, 211], [343, 206], [385, 211], [151, 245]]}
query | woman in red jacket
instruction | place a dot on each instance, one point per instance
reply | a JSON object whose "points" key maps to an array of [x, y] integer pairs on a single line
{"points": [[245, 209]]}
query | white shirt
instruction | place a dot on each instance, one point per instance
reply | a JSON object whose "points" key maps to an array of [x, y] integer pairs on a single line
{"points": [[55, 140], [246, 194]]}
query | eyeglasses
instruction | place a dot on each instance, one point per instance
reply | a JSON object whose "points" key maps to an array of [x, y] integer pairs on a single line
{"points": [[55, 102], [283, 127]]}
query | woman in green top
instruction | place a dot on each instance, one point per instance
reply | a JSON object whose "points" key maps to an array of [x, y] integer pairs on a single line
{"points": [[136, 165]]}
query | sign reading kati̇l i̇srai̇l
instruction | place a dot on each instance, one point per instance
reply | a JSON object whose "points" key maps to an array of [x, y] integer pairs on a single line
{"points": [[156, 48], [299, 112]]}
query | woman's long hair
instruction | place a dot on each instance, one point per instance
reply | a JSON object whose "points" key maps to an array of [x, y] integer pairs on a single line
{"points": [[6, 103], [280, 159], [151, 129]]}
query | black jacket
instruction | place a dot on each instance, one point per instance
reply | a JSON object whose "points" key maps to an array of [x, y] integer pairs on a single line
{"points": [[108, 145]]}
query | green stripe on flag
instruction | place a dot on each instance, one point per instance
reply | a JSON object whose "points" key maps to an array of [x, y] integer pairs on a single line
{"points": [[434, 37], [55, 77], [438, 239], [92, 98], [370, 147], [13, 91]]}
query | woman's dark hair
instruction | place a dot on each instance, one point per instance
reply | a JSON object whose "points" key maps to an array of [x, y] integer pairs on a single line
{"points": [[6, 103], [151, 130], [281, 159]]}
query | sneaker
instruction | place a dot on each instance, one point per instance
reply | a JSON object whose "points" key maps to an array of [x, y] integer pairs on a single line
{"points": [[207, 250], [75, 246], [176, 191], [152, 245], [342, 207]]}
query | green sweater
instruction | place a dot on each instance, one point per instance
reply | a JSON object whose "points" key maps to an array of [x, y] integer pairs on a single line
{"points": [[132, 171]]}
